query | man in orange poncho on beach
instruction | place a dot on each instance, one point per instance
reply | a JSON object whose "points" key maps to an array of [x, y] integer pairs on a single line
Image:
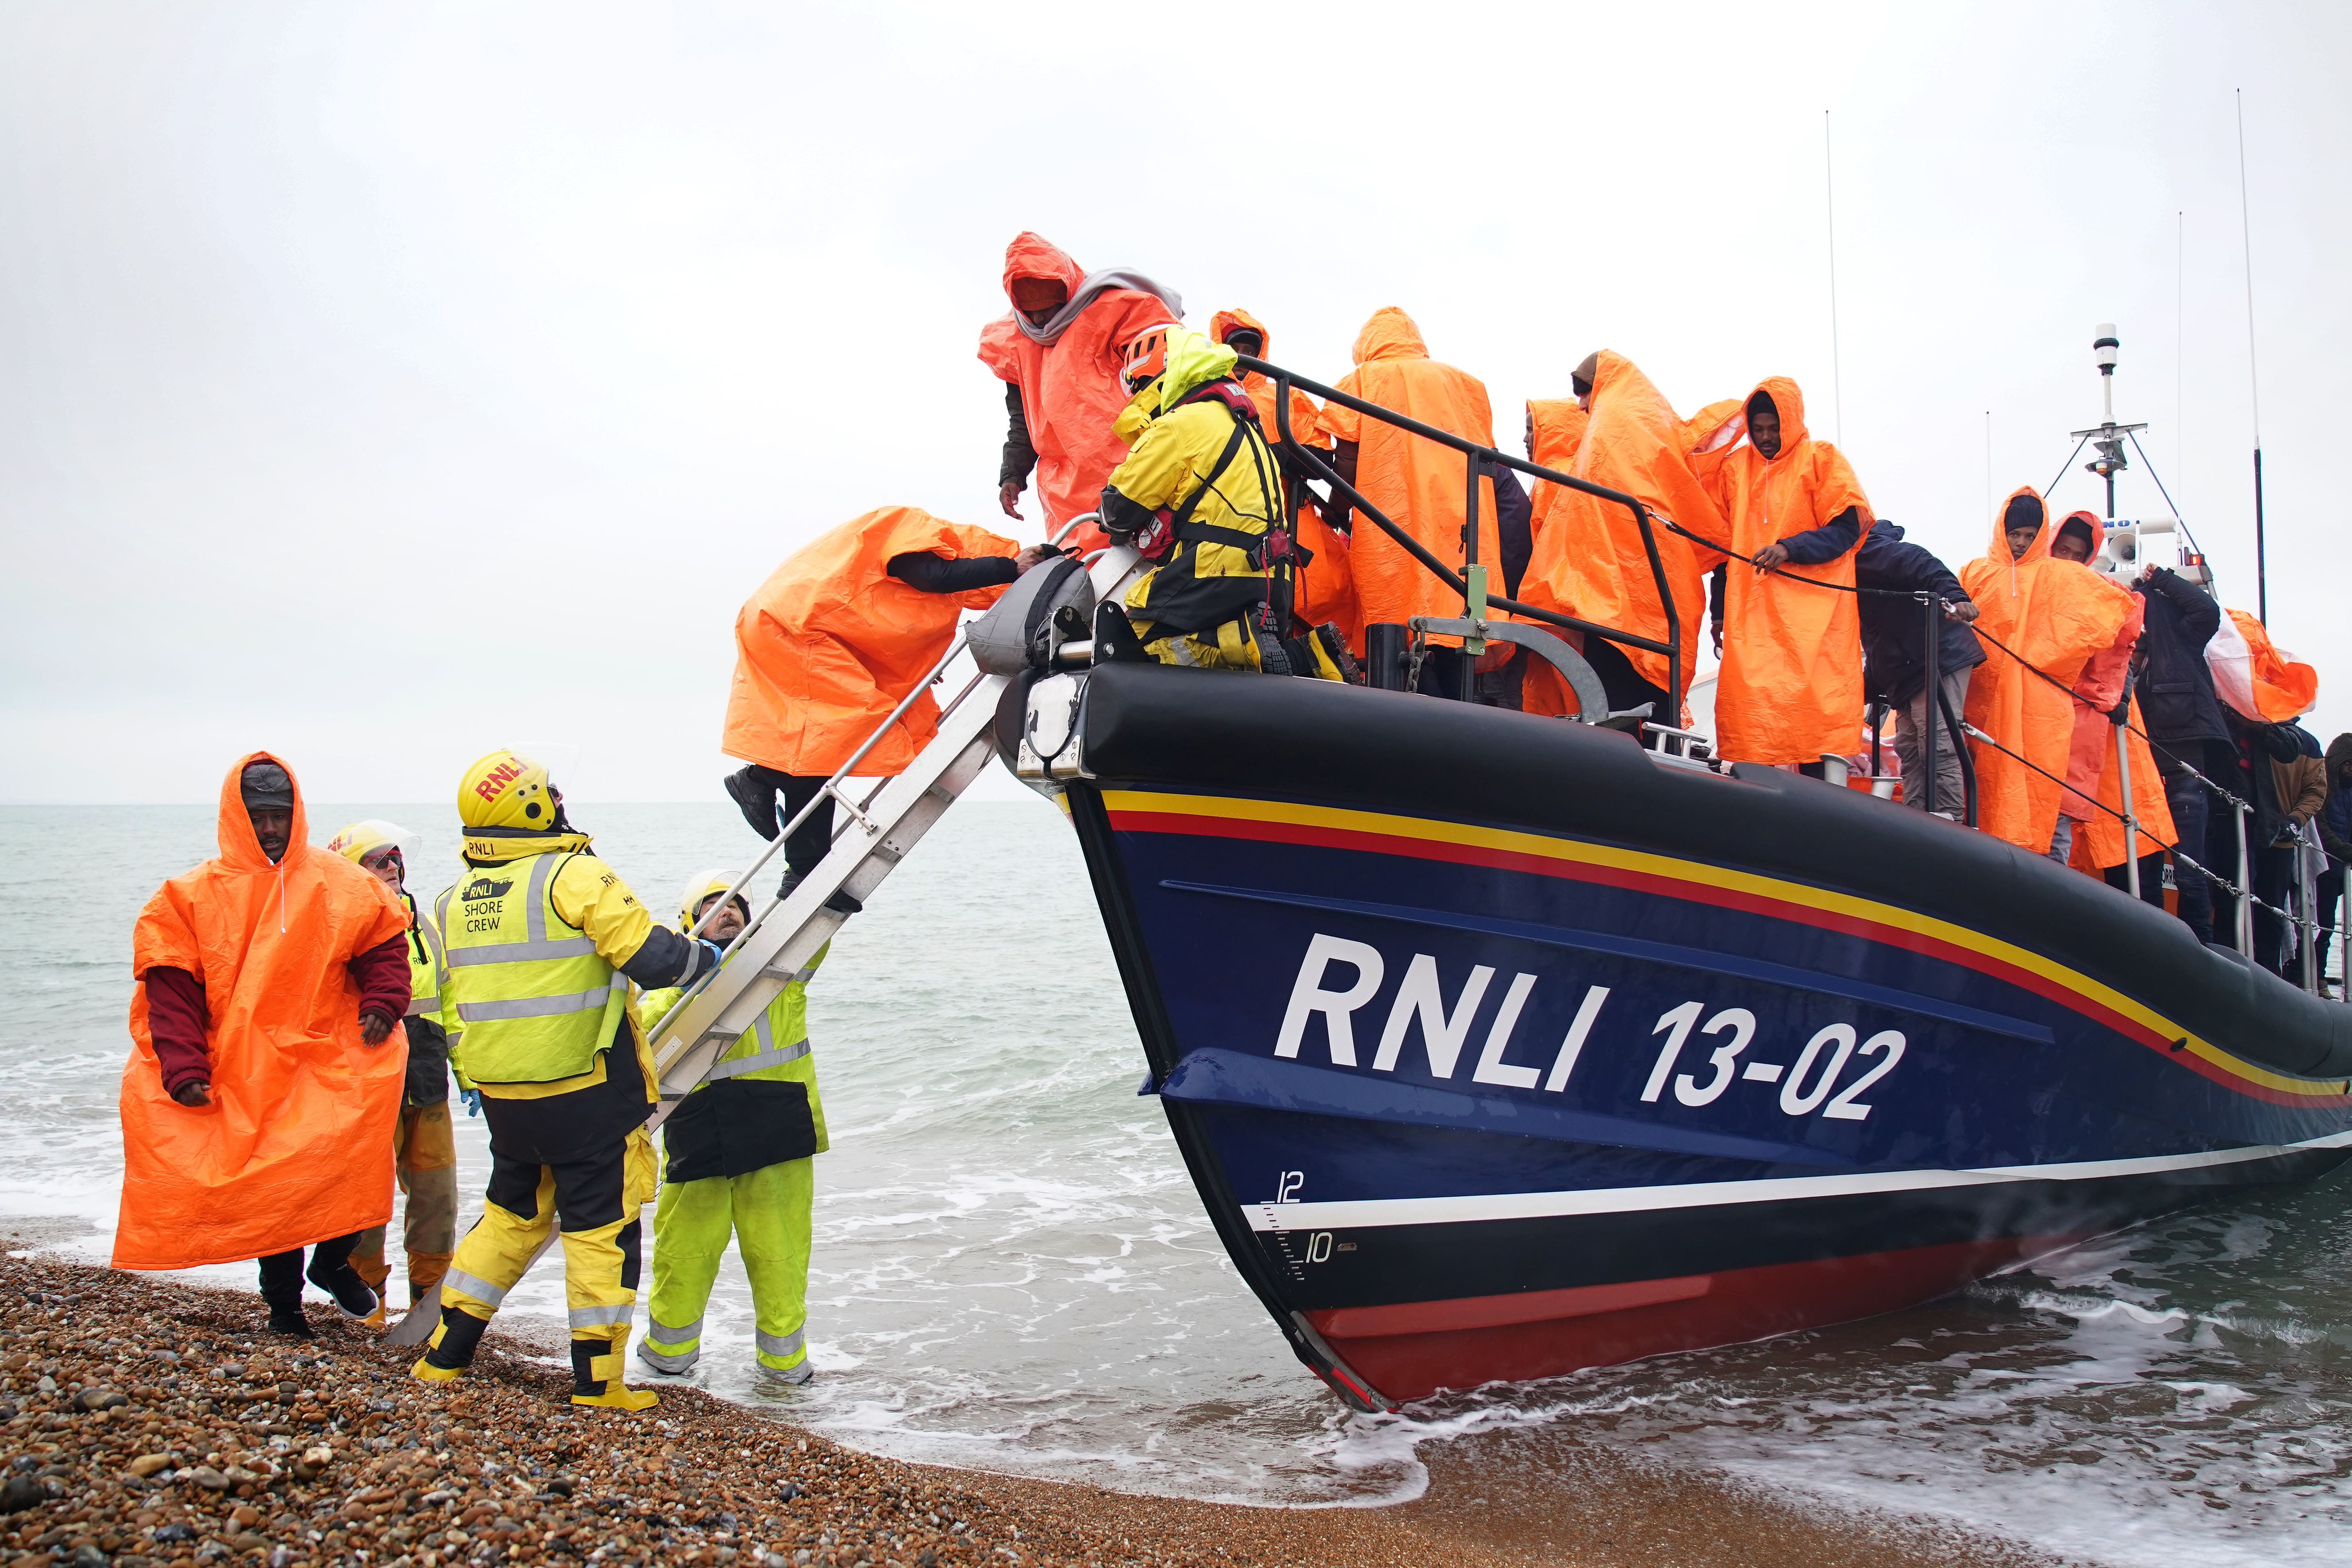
{"points": [[1590, 561], [1324, 590], [2053, 615], [1790, 687], [1417, 484], [1058, 350], [833, 641], [260, 1096]]}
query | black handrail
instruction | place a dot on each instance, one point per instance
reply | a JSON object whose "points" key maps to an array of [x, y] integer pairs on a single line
{"points": [[1477, 457]]}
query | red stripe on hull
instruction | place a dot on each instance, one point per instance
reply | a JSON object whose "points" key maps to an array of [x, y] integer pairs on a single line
{"points": [[1723, 897], [1737, 1305]]}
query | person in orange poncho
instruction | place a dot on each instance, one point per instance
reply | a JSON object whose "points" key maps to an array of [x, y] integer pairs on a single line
{"points": [[2053, 615], [832, 642], [260, 1098], [1057, 351], [1416, 484], [1790, 687], [1325, 590], [2094, 796], [1590, 561]]}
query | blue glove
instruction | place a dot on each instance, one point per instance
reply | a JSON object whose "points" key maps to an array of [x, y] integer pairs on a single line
{"points": [[473, 1099], [711, 951]]}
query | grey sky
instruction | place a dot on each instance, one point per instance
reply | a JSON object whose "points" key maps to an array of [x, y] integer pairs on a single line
{"points": [[383, 384]]}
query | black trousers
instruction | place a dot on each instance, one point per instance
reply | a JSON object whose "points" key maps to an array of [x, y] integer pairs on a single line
{"points": [[1625, 688], [281, 1272], [809, 842]]}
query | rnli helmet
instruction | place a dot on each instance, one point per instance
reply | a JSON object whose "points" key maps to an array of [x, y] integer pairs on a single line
{"points": [[1147, 358], [505, 789], [703, 885], [360, 841]]}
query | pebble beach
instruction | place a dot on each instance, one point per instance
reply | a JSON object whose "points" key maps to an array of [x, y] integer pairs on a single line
{"points": [[150, 1421]]}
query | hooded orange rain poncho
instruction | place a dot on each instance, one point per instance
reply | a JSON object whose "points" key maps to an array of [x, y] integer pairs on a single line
{"points": [[2257, 678], [1070, 390], [1417, 483], [1790, 687], [1589, 559], [296, 1146], [1324, 589], [2091, 776], [2053, 615], [832, 642]]}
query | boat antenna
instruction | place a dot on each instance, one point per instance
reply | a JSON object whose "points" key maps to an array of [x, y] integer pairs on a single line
{"points": [[2246, 228], [1988, 462], [1837, 370], [2179, 320]]}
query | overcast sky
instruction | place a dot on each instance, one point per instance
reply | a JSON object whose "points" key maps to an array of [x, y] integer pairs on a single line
{"points": [[384, 383]]}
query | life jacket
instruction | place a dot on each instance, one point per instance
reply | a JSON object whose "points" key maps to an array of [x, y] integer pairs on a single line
{"points": [[758, 1105], [428, 970], [534, 998]]}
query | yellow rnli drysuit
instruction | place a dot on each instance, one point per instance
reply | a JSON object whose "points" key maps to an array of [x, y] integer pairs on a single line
{"points": [[542, 941], [739, 1160], [1200, 493]]}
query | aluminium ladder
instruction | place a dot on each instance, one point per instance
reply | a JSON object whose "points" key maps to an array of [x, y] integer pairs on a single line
{"points": [[873, 836]]}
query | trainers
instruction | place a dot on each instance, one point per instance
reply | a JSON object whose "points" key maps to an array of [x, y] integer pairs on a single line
{"points": [[350, 1293], [754, 796], [290, 1323], [840, 903]]}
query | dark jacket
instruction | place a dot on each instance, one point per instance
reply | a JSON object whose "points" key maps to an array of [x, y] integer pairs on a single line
{"points": [[1895, 631], [2176, 689], [2286, 787], [2335, 817]]}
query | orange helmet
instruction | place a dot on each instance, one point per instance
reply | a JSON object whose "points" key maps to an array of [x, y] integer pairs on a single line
{"points": [[1146, 357]]}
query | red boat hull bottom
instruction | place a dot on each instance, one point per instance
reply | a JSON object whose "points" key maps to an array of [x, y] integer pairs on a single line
{"points": [[1410, 1350]]}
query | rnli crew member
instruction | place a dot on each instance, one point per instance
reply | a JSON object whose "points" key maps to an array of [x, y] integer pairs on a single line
{"points": [[740, 1159], [257, 1104], [1200, 496], [832, 643], [542, 941], [1057, 351], [424, 1154]]}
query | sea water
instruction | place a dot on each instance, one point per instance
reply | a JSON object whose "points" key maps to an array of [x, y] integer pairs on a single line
{"points": [[1011, 1270]]}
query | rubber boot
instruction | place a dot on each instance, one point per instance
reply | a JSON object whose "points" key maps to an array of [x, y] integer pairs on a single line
{"points": [[451, 1349], [374, 1271], [596, 1366], [424, 1272]]}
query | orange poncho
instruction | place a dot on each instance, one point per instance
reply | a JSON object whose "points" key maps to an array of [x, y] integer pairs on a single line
{"points": [[1589, 559], [296, 1147], [1070, 390], [2091, 772], [2256, 677], [1790, 687], [1418, 484], [2054, 615], [1325, 589], [832, 642]]}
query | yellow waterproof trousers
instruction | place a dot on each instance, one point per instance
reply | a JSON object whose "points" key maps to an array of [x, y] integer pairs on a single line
{"points": [[425, 1157], [594, 1203], [768, 1213]]}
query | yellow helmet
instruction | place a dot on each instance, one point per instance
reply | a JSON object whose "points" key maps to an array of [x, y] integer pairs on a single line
{"points": [[357, 840], [505, 789], [704, 885]]}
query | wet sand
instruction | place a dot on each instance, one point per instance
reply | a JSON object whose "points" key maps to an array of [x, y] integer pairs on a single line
{"points": [[172, 1429]]}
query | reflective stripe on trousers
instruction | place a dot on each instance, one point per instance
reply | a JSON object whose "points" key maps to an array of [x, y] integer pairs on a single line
{"points": [[480, 1290]]}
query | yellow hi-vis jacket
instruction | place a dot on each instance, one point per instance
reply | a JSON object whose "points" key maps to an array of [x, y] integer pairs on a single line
{"points": [[533, 934], [775, 1047]]}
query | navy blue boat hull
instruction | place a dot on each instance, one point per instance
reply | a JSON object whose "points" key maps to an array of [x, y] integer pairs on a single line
{"points": [[1476, 1097]]}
